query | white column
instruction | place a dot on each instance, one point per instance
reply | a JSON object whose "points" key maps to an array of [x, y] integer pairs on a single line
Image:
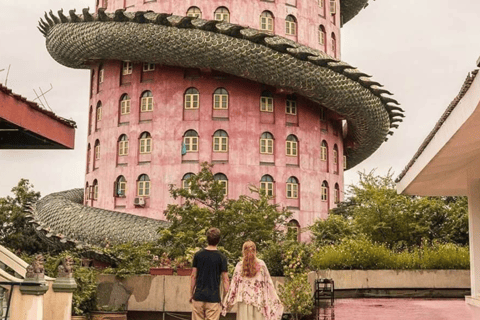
{"points": [[474, 234]]}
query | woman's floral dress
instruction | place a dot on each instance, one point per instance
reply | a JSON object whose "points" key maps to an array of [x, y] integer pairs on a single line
{"points": [[257, 291]]}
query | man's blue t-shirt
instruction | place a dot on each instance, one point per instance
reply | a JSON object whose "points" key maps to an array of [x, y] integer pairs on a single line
{"points": [[210, 264]]}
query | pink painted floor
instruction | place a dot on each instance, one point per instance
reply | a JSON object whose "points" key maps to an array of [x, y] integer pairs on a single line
{"points": [[398, 309]]}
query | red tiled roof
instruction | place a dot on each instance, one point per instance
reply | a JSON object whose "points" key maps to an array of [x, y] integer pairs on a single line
{"points": [[36, 107]]}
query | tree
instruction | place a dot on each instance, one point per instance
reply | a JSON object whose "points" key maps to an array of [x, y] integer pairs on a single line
{"points": [[331, 230], [15, 232], [204, 205], [376, 210]]}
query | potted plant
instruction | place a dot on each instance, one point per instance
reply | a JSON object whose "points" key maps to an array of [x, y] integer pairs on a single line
{"points": [[184, 266], [164, 266], [109, 313]]}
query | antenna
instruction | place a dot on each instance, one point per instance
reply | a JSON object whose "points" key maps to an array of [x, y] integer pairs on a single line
{"points": [[39, 97], [8, 72]]}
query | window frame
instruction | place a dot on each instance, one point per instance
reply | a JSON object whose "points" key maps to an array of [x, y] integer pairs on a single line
{"points": [[324, 151], [145, 143], [290, 25], [191, 12], [143, 186], [224, 182], [222, 99], [292, 188], [222, 14], [127, 68], [123, 146], [266, 102], [267, 18], [292, 108], [324, 192], [191, 100], [97, 151], [220, 141], [190, 139], [291, 146], [265, 143], [146, 101], [125, 105], [268, 184], [148, 67]]}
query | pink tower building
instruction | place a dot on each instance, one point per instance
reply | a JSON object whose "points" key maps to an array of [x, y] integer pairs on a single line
{"points": [[254, 87]]}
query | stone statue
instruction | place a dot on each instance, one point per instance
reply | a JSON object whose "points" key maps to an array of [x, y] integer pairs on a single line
{"points": [[65, 269], [36, 270]]}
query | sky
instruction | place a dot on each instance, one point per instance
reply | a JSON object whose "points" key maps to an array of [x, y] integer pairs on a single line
{"points": [[419, 50]]}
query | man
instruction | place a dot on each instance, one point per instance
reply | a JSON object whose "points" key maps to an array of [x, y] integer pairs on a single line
{"points": [[209, 265]]}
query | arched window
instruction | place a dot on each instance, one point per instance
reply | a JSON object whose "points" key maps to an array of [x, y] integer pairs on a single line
{"points": [[266, 21], [192, 97], [222, 14], [145, 143], [337, 193], [123, 145], [92, 83], [292, 146], [266, 101], [220, 141], [335, 158], [125, 104], [87, 192], [89, 154], [101, 74], [266, 183], [146, 103], [90, 122], [194, 12], [98, 113], [97, 149], [143, 186], [322, 36], [344, 162], [293, 230], [190, 141], [222, 179], [292, 188], [324, 191], [266, 143], [334, 45], [290, 25], [95, 189], [186, 182], [220, 99], [291, 105], [324, 151], [120, 186]]}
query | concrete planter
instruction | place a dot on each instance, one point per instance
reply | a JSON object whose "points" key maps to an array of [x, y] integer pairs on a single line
{"points": [[185, 272], [161, 271]]}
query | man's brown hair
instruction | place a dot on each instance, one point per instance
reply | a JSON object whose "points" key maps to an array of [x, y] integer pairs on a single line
{"points": [[213, 236]]}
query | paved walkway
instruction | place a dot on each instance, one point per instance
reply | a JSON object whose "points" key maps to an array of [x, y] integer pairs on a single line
{"points": [[398, 309]]}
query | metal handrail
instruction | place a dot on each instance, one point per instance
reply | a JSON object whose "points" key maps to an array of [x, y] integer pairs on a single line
{"points": [[12, 284]]}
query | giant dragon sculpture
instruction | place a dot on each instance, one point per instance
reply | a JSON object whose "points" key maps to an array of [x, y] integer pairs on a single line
{"points": [[77, 40]]}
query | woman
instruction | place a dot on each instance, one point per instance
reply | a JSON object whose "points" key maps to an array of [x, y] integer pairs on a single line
{"points": [[253, 289]]}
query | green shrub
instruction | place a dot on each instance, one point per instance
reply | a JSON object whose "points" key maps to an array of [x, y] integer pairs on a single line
{"points": [[296, 296], [364, 255]]}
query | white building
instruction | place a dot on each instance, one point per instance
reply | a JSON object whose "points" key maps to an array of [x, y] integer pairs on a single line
{"points": [[448, 164]]}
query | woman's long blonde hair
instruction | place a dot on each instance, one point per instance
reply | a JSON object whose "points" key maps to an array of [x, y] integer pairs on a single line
{"points": [[249, 268]]}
